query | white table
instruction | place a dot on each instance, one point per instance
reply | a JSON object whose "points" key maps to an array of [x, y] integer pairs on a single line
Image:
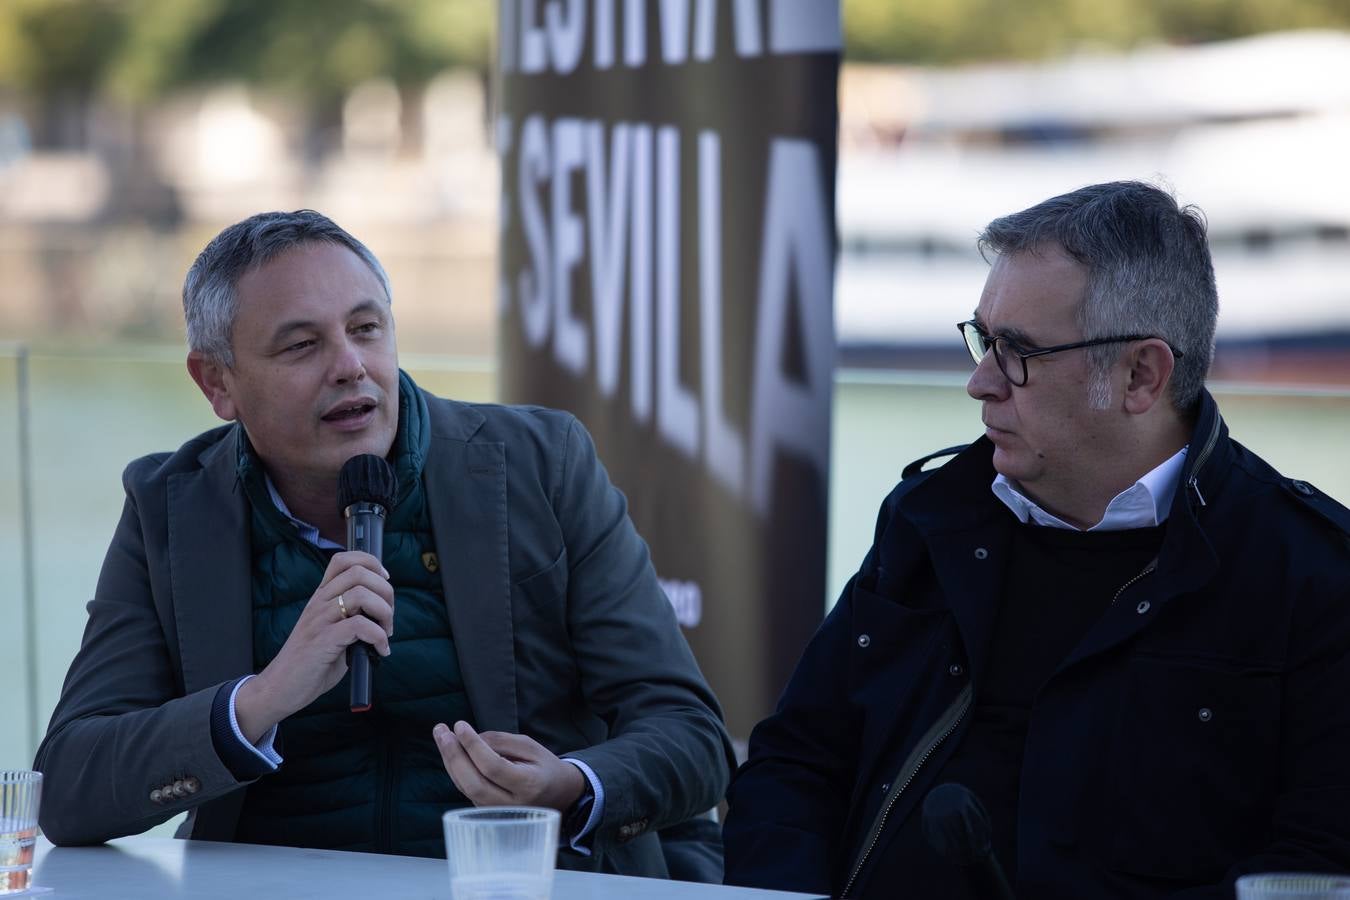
{"points": [[137, 868]]}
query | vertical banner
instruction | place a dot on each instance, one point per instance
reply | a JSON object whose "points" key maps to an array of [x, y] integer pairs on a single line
{"points": [[666, 274]]}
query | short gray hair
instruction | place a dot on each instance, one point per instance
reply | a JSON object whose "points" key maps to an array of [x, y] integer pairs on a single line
{"points": [[1149, 272], [210, 298]]}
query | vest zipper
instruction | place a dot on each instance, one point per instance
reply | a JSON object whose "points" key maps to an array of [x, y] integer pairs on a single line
{"points": [[941, 730]]}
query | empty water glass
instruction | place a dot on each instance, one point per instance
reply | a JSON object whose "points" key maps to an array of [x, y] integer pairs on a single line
{"points": [[501, 852]]}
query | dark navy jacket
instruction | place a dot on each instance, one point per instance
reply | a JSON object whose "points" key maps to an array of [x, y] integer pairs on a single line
{"points": [[1199, 731]]}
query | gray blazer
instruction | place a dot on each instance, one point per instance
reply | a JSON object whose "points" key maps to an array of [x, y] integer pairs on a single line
{"points": [[563, 634]]}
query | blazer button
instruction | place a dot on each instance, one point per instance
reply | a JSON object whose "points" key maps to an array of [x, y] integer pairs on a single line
{"points": [[956, 670], [179, 789], [631, 830], [191, 784], [156, 796], [864, 641]]}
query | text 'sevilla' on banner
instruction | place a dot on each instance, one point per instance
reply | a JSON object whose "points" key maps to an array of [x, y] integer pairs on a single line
{"points": [[666, 274]]}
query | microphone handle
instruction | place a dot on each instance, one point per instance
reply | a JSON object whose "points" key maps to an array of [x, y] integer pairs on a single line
{"points": [[359, 657], [365, 532]]}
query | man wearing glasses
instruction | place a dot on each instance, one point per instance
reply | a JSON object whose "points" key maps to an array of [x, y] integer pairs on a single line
{"points": [[1125, 634]]}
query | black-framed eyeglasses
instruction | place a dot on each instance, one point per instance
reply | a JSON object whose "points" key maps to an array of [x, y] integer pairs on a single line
{"points": [[979, 343]]}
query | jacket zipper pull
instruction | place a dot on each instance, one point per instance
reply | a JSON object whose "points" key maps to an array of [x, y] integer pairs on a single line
{"points": [[1195, 486]]}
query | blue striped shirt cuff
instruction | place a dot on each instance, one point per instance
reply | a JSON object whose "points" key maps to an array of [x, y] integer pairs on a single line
{"points": [[576, 841], [245, 761]]}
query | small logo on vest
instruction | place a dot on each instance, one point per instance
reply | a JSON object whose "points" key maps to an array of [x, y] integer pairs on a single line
{"points": [[430, 561]]}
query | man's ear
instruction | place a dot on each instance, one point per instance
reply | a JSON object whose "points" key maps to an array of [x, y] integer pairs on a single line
{"points": [[1151, 365], [209, 373]]}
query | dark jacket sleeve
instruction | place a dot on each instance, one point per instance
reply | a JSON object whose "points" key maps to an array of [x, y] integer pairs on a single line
{"points": [[668, 756], [790, 801], [123, 725]]}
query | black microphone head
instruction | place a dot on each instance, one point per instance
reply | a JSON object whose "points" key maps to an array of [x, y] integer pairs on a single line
{"points": [[366, 479], [956, 825]]}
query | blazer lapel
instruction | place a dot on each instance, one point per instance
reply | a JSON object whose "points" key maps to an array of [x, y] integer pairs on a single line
{"points": [[209, 567], [466, 497]]}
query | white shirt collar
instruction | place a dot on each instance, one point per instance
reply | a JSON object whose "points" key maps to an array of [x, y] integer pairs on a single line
{"points": [[1142, 505]]}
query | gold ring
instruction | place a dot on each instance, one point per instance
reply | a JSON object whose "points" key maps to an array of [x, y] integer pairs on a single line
{"points": [[342, 606]]}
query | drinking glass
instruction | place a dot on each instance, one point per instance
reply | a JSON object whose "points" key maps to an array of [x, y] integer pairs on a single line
{"points": [[1293, 886], [501, 852], [20, 793]]}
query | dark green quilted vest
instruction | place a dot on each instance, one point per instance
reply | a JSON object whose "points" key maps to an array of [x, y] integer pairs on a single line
{"points": [[372, 781]]}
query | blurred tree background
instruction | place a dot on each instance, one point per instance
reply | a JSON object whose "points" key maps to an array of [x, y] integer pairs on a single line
{"points": [[130, 128], [961, 31], [60, 55], [139, 50]]}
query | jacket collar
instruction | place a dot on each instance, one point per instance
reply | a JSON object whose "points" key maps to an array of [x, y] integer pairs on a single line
{"points": [[957, 495], [1187, 559], [450, 420], [1209, 458], [413, 437], [966, 530]]}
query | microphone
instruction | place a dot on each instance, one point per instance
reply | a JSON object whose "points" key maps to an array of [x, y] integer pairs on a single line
{"points": [[366, 489], [957, 828]]}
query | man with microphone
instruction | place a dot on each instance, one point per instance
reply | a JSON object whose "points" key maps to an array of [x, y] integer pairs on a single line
{"points": [[1105, 642], [526, 653]]}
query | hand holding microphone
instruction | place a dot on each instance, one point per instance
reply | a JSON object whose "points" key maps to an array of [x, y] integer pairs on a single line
{"points": [[313, 659], [352, 607]]}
